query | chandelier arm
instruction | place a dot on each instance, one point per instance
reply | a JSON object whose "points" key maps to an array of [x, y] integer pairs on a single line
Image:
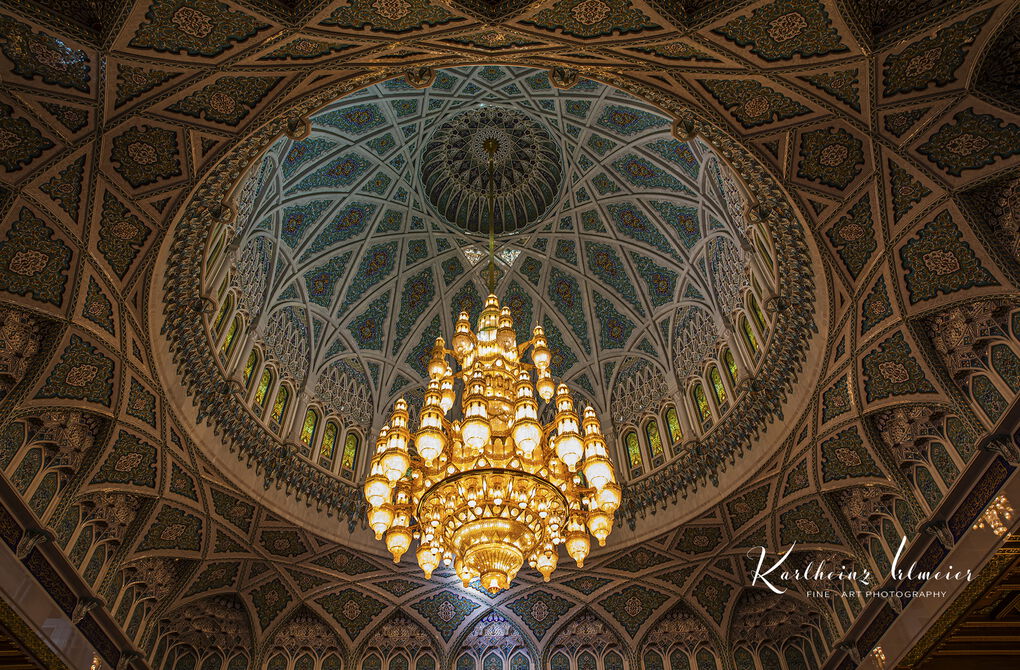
{"points": [[521, 348]]}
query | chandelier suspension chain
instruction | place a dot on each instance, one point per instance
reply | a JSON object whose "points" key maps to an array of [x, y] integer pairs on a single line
{"points": [[491, 147]]}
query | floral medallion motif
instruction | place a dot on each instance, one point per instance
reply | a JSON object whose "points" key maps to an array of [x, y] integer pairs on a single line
{"points": [[145, 155], [932, 60], [173, 529], [352, 609], [197, 27], [971, 141], [391, 16], [227, 100], [845, 456], [831, 156], [633, 606], [836, 400], [122, 235], [906, 191], [592, 18], [36, 54], [807, 523], [20, 142], [875, 307], [782, 29], [890, 370], [751, 103], [938, 260], [132, 461], [32, 262], [445, 611], [135, 81], [853, 236], [82, 373]]}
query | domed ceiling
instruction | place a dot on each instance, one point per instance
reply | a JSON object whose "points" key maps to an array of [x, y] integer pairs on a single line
{"points": [[891, 127], [623, 242]]}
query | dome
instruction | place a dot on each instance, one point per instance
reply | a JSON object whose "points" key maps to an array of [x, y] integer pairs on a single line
{"points": [[359, 242]]}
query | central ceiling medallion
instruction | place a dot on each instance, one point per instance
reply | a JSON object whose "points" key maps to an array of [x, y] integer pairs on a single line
{"points": [[527, 169], [487, 486]]}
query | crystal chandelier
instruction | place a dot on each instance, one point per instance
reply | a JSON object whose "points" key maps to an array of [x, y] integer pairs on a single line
{"points": [[486, 486]]}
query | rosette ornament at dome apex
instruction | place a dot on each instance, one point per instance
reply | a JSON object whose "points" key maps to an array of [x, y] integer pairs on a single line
{"points": [[527, 169]]}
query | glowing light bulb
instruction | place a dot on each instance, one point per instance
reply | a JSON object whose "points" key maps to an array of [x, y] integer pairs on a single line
{"points": [[377, 489], [398, 540], [394, 463], [428, 560], [379, 519], [599, 525], [598, 470], [609, 497], [545, 563], [578, 546]]}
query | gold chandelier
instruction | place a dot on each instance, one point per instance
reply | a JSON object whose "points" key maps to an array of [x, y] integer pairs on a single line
{"points": [[487, 487]]}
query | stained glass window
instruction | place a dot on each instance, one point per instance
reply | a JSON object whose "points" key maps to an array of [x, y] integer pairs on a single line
{"points": [[752, 341], [676, 433], [249, 368], [759, 317], [678, 661], [398, 662], [371, 663], [492, 662], [328, 446], [351, 444], [717, 385], [654, 439], [260, 393], [706, 661], [425, 663], [731, 365], [309, 427], [215, 253], [701, 403], [612, 661], [240, 662], [519, 662], [224, 310], [764, 252], [279, 408], [630, 440], [228, 342], [586, 661], [652, 661], [465, 662]]}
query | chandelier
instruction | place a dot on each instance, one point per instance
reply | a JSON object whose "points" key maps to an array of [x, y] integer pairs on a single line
{"points": [[482, 483]]}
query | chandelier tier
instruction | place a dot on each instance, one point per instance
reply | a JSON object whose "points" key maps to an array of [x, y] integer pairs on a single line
{"points": [[486, 486]]}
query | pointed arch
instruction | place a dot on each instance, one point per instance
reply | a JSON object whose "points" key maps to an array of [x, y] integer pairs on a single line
{"points": [[585, 630], [492, 631], [305, 632], [399, 633], [679, 630]]}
